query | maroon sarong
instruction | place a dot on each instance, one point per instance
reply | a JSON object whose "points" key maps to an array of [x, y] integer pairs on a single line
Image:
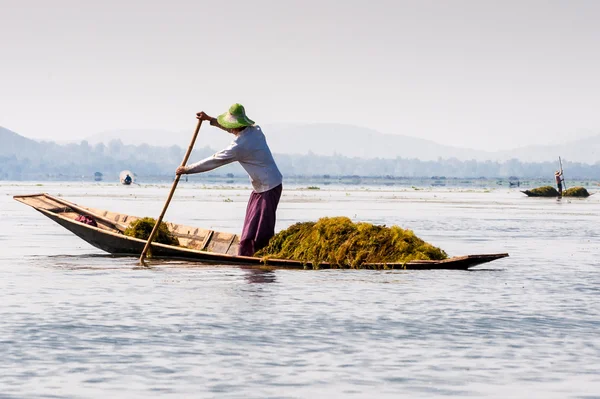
{"points": [[86, 220], [259, 224]]}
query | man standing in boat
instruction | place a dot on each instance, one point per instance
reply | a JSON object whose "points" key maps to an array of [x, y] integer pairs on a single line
{"points": [[250, 149], [558, 178]]}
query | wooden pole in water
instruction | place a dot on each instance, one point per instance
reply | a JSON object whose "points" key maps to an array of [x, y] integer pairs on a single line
{"points": [[162, 214]]}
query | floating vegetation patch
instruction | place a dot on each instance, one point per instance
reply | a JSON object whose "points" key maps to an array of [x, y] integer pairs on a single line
{"points": [[546, 191], [142, 228], [342, 243], [576, 192]]}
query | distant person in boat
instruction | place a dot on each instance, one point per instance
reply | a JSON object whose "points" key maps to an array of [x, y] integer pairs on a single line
{"points": [[558, 178], [250, 149]]}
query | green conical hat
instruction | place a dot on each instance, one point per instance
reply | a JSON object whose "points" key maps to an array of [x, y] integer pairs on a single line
{"points": [[235, 117]]}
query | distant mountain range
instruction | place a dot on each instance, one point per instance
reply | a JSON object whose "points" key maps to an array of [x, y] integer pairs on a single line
{"points": [[22, 158], [11, 143], [339, 151], [355, 141]]}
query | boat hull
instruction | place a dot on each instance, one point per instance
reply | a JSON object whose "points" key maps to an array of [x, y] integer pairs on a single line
{"points": [[110, 239]]}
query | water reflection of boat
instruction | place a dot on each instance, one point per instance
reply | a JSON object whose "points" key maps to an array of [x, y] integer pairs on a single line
{"points": [[438, 181], [202, 245]]}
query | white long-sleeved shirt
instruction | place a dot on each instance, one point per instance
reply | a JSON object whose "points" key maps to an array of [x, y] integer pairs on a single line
{"points": [[250, 149]]}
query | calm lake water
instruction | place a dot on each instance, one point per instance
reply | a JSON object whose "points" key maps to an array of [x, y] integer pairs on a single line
{"points": [[76, 323]]}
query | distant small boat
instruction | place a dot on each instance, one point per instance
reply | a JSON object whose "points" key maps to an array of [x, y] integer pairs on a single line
{"points": [[104, 230], [126, 177], [549, 191]]}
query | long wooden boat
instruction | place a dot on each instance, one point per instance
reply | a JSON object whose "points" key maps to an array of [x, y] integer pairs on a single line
{"points": [[570, 193], [202, 245]]}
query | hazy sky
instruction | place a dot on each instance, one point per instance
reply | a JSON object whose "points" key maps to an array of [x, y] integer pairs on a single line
{"points": [[482, 74]]}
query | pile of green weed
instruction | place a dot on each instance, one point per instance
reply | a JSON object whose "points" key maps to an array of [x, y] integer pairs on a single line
{"points": [[576, 192], [142, 228], [546, 191], [342, 243]]}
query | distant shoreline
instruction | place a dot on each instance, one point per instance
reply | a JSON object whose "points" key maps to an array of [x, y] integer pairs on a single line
{"points": [[322, 181]]}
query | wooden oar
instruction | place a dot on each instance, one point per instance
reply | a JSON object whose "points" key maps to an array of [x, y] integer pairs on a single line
{"points": [[162, 214]]}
